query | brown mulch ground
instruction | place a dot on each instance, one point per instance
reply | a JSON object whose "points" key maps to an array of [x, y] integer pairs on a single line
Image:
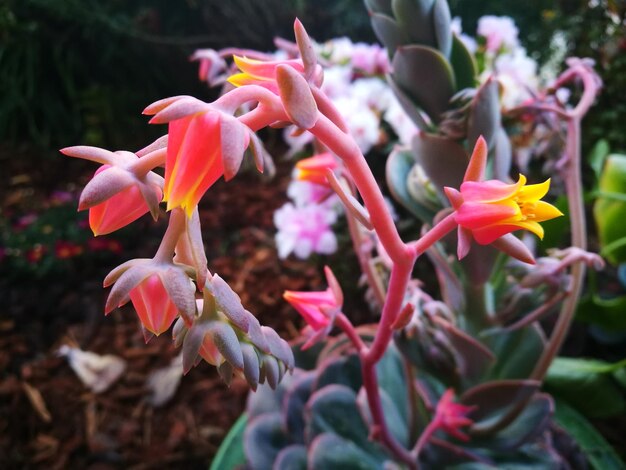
{"points": [[49, 419]]}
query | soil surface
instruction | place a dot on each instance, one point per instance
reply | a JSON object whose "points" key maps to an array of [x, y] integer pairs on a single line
{"points": [[50, 419]]}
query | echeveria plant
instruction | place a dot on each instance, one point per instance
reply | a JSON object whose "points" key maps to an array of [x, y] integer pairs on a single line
{"points": [[438, 381]]}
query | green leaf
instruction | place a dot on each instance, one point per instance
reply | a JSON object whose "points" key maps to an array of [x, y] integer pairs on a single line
{"points": [[291, 458], [598, 155], [441, 21], [496, 398], [531, 422], [463, 64], [333, 409], [610, 211], [600, 454], [343, 370], [294, 403], [230, 454], [516, 352], [426, 76], [606, 313], [587, 385]]}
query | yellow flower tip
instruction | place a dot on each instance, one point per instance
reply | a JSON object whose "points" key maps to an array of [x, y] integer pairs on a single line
{"points": [[239, 79]]}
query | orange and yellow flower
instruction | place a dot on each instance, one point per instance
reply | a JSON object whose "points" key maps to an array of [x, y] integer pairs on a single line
{"points": [[259, 72], [488, 210], [194, 160], [491, 209], [313, 169]]}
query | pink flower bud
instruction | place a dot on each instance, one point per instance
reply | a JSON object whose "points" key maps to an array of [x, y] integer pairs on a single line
{"points": [[313, 169], [153, 305], [119, 210], [262, 73], [313, 306]]}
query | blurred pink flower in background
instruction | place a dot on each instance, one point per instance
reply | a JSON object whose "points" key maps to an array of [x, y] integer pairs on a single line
{"points": [[499, 31], [305, 230]]}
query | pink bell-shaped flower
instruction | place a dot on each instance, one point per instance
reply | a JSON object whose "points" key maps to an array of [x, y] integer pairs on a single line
{"points": [[119, 210], [194, 160], [153, 305], [313, 169]]}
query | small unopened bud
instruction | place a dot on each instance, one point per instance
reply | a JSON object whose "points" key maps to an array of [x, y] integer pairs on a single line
{"points": [[296, 96]]}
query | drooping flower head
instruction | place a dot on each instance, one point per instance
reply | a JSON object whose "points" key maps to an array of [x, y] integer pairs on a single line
{"points": [[119, 210], [489, 210], [318, 308], [120, 191], [262, 73], [194, 160], [153, 305], [308, 304], [313, 169], [451, 416]]}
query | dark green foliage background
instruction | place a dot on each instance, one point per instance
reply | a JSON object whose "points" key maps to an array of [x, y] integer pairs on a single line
{"points": [[80, 71]]}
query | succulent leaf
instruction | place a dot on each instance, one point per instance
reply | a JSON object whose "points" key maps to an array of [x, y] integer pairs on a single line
{"points": [[399, 164], [292, 457], [426, 76], [443, 160], [494, 399], [294, 404], [264, 438], [415, 19], [387, 31], [463, 64], [329, 451], [484, 113], [344, 370], [516, 352], [442, 22]]}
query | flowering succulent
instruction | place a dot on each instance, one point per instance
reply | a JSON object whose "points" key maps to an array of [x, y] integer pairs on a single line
{"points": [[365, 398], [488, 210]]}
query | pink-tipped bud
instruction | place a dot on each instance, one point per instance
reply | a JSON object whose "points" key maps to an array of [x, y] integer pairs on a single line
{"points": [[314, 306], [313, 169], [118, 210], [153, 305]]}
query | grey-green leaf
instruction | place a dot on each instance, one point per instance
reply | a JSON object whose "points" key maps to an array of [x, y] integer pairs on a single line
{"points": [[387, 32], [463, 64], [484, 114], [443, 160], [426, 76], [441, 22]]}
